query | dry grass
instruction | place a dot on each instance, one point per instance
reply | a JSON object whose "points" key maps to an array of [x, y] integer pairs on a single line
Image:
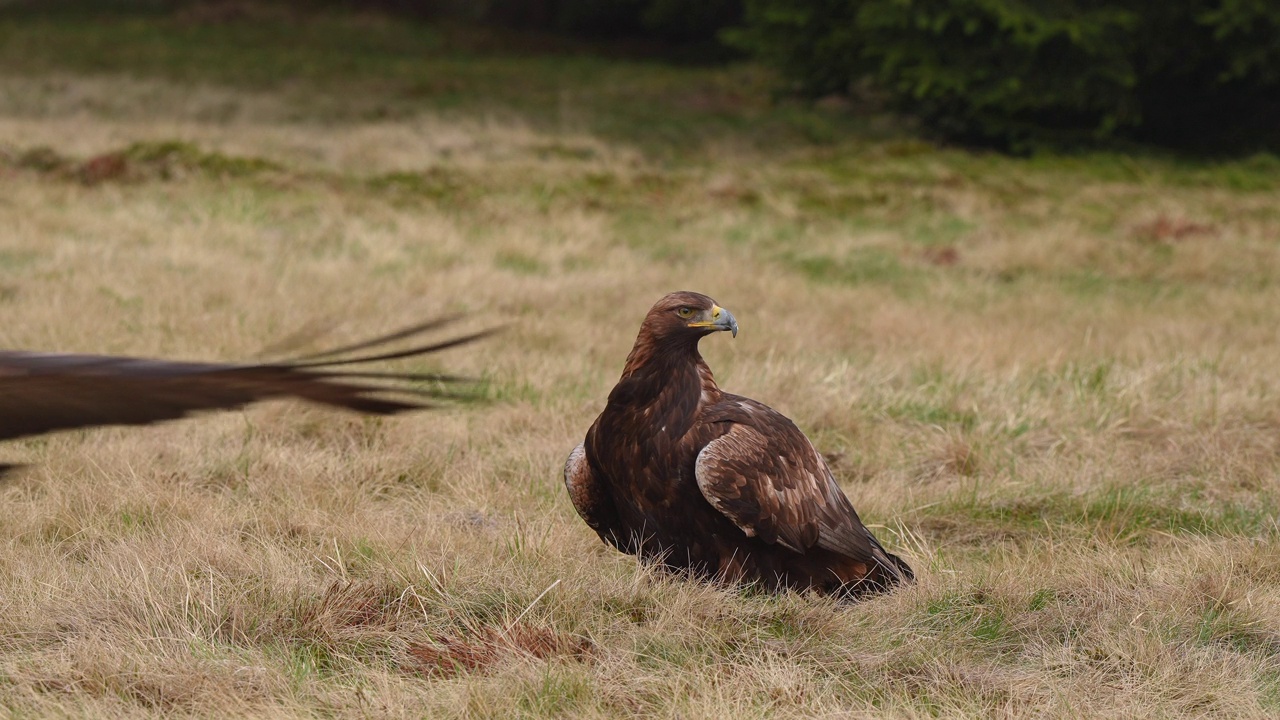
{"points": [[1051, 385]]}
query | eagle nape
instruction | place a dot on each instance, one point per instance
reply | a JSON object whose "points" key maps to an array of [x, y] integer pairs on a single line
{"points": [[44, 392]]}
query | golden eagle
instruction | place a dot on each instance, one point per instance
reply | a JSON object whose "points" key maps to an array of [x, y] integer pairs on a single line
{"points": [[716, 485], [43, 392]]}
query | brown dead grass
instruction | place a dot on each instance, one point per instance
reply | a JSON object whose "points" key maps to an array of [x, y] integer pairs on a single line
{"points": [[451, 655], [1052, 389]]}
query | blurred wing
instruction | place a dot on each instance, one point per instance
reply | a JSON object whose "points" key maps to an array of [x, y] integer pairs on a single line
{"points": [[765, 476], [41, 392]]}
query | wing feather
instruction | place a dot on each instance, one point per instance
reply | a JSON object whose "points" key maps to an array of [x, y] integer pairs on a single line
{"points": [[765, 476], [44, 392], [592, 500]]}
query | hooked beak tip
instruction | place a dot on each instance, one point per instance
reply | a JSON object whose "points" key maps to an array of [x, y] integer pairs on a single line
{"points": [[726, 321]]}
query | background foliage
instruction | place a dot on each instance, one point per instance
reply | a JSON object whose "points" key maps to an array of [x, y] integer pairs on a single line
{"points": [[1193, 75], [1198, 74]]}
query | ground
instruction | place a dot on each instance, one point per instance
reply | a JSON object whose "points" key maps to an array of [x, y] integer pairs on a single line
{"points": [[1050, 384]]}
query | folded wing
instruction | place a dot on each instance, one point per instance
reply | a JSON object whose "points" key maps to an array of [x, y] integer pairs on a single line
{"points": [[766, 477]]}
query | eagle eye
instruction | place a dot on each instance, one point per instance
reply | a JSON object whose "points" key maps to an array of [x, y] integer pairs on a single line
{"points": [[685, 312]]}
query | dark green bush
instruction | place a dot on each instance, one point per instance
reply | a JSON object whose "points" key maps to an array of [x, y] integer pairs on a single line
{"points": [[1017, 73], [677, 21], [667, 20]]}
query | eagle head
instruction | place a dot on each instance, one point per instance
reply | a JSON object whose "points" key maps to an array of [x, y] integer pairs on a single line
{"points": [[687, 315]]}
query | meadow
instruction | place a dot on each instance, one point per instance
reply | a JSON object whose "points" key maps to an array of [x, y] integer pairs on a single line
{"points": [[1050, 384]]}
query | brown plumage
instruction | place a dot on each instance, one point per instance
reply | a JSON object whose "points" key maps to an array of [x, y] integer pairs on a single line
{"points": [[721, 486], [44, 392]]}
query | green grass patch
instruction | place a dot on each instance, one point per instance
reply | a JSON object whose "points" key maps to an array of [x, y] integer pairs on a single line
{"points": [[1233, 628], [17, 260], [311, 660], [520, 263], [859, 266], [438, 184], [1269, 689], [165, 156], [973, 614], [140, 518], [927, 413], [1041, 599], [1129, 514]]}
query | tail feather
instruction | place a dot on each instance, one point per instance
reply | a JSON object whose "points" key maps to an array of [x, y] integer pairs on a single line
{"points": [[887, 571], [905, 573]]}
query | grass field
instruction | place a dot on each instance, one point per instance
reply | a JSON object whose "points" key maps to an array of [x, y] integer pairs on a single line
{"points": [[1050, 384]]}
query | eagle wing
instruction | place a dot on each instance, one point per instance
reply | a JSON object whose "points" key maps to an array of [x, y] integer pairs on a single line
{"points": [[591, 500], [45, 392], [766, 477]]}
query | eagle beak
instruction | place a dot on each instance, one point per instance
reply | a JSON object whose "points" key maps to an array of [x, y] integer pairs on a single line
{"points": [[719, 319]]}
